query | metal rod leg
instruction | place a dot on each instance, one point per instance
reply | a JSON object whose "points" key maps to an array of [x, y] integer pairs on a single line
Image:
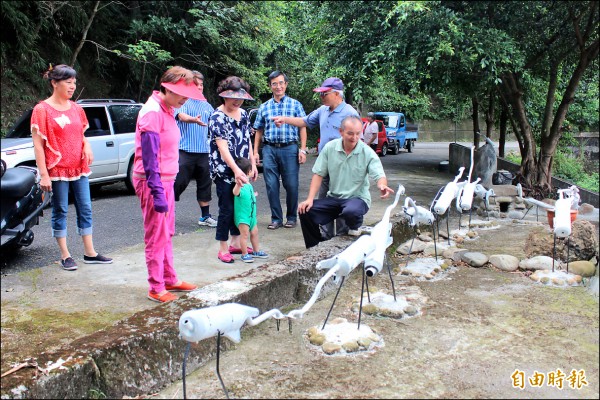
{"points": [[366, 281], [334, 299], [470, 213], [410, 251], [185, 356], [435, 244], [218, 356], [389, 268], [362, 291], [448, 226], [568, 242], [553, 252]]}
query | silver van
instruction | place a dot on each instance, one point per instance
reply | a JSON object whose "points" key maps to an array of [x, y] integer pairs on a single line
{"points": [[111, 135]]}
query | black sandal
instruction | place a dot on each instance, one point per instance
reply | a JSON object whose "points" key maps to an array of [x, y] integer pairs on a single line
{"points": [[274, 225]]}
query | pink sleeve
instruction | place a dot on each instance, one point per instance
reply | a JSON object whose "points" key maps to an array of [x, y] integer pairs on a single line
{"points": [[150, 122]]}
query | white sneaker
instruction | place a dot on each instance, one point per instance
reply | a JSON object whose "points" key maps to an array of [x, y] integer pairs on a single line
{"points": [[354, 232], [207, 221]]}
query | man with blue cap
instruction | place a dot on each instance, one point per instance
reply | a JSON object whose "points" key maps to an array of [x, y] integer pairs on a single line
{"points": [[329, 118]]}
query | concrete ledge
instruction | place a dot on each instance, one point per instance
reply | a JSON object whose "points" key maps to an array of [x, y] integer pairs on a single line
{"points": [[143, 353]]}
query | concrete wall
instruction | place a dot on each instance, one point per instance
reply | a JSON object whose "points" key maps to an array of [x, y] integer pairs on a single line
{"points": [[460, 156], [588, 144]]}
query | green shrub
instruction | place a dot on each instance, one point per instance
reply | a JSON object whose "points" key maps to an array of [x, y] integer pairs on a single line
{"points": [[567, 166]]}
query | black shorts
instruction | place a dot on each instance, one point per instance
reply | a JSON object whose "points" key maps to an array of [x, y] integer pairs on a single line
{"points": [[193, 166]]}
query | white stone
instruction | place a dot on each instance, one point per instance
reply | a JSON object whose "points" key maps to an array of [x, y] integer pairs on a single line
{"points": [[515, 214], [417, 247], [505, 262], [539, 262], [474, 259]]}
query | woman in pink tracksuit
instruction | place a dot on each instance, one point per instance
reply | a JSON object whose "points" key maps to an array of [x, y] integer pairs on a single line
{"points": [[156, 165]]}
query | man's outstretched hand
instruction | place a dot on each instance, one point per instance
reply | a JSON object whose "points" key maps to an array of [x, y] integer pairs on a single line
{"points": [[385, 191]]}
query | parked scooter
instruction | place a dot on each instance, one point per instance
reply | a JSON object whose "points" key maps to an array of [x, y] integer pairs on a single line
{"points": [[23, 201]]}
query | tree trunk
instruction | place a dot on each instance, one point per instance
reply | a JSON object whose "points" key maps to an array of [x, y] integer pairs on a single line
{"points": [[84, 34], [348, 96], [475, 117], [514, 96], [549, 142], [490, 114], [502, 136]]}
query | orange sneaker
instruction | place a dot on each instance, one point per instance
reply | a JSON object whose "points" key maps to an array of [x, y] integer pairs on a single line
{"points": [[162, 298], [183, 287]]}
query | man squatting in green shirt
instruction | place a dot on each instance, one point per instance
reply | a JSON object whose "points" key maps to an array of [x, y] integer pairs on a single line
{"points": [[349, 163]]}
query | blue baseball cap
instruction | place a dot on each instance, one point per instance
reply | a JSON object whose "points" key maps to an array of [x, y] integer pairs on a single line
{"points": [[329, 84]]}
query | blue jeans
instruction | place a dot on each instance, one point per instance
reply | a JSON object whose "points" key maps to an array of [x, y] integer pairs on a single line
{"points": [[330, 230], [281, 161], [325, 211], [60, 205]]}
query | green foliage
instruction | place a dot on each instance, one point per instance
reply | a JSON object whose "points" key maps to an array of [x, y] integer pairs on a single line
{"points": [[567, 166], [144, 51], [427, 59], [96, 394]]}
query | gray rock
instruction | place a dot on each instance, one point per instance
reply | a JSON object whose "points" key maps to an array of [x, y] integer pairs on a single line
{"points": [[410, 310], [503, 199], [505, 262], [331, 348], [350, 347], [485, 163], [417, 247], [583, 268], [425, 238], [582, 243], [475, 259], [505, 190], [455, 254], [447, 253], [514, 214], [586, 208], [538, 262]]}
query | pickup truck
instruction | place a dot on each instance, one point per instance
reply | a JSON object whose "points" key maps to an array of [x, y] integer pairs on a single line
{"points": [[111, 135], [400, 134]]}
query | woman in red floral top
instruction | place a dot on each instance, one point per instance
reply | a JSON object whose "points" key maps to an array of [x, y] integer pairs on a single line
{"points": [[63, 156]]}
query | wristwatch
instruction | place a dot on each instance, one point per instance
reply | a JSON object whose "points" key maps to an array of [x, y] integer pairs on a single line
{"points": [[304, 152]]}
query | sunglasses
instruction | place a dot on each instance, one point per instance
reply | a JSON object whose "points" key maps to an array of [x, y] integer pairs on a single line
{"points": [[323, 94]]}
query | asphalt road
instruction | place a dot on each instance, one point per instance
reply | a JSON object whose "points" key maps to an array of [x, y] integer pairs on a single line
{"points": [[118, 222]]}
